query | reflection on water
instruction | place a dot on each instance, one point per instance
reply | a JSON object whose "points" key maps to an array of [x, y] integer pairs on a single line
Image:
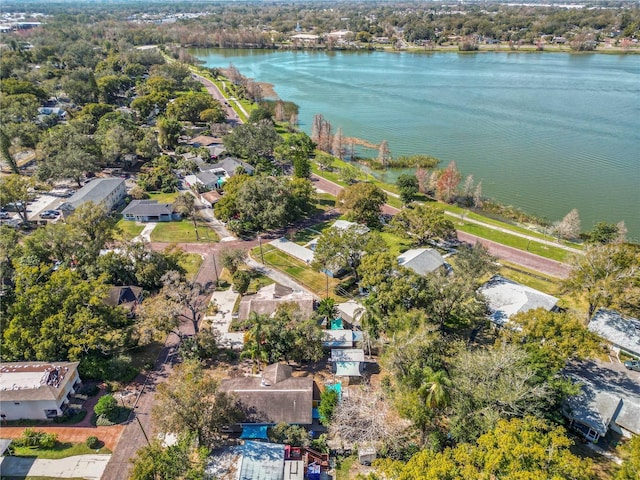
{"points": [[544, 132]]}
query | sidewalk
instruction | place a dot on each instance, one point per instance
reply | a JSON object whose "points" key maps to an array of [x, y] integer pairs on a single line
{"points": [[80, 466], [145, 234], [221, 321]]}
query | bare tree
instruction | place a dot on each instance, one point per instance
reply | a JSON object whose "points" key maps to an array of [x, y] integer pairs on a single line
{"points": [[384, 154], [189, 296], [622, 233], [477, 196], [467, 189], [365, 416], [338, 141], [569, 227], [278, 112]]}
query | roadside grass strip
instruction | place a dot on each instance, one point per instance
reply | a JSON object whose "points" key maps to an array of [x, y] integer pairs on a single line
{"points": [[191, 263], [298, 270], [60, 450]]}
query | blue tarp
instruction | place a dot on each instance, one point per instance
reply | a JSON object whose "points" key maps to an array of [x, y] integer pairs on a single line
{"points": [[314, 413], [254, 431], [336, 324], [337, 387]]}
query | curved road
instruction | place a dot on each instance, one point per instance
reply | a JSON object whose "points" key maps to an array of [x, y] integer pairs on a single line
{"points": [[510, 254]]}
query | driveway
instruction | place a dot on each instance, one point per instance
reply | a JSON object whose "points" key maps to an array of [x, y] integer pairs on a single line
{"points": [[222, 320], [79, 466]]}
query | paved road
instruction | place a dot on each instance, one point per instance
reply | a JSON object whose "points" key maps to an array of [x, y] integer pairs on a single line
{"points": [[232, 116], [513, 255]]}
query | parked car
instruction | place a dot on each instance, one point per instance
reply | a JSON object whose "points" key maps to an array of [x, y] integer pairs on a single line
{"points": [[4, 215], [49, 214], [632, 365]]}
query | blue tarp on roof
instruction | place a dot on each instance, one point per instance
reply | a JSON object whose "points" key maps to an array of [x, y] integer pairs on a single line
{"points": [[336, 324], [315, 414], [258, 431], [337, 387]]}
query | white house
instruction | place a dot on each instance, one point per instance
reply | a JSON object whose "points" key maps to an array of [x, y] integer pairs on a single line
{"points": [[36, 390], [421, 260], [622, 332], [506, 298]]}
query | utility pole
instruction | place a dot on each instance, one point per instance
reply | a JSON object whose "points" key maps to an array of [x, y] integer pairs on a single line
{"points": [[215, 269], [261, 253]]}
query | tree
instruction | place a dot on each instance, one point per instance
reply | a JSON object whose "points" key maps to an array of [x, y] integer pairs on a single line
{"points": [[337, 148], [607, 275], [293, 435], [213, 115], [408, 186], [15, 189], [296, 150], [191, 105], [518, 448], [189, 295], [477, 196], [448, 183], [59, 315], [327, 309], [93, 229], [569, 227], [5, 150], [232, 258], [349, 173], [185, 204], [339, 248], [364, 417], [241, 281], [325, 161], [491, 385], [362, 202], [321, 133], [475, 262], [603, 233], [191, 402], [254, 339], [182, 460], [117, 142], [328, 402], [255, 142], [384, 155], [423, 223], [169, 131], [106, 406], [630, 468]]}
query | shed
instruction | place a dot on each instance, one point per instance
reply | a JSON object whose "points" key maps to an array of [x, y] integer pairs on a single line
{"points": [[366, 454]]}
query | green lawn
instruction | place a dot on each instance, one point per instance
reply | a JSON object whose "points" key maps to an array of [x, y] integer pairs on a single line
{"points": [[128, 229], [162, 197], [547, 251], [61, 450], [396, 243], [191, 264], [258, 281], [344, 468], [302, 273], [182, 232]]}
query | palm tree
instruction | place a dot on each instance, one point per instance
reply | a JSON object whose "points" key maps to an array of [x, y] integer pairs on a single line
{"points": [[435, 389], [254, 339]]}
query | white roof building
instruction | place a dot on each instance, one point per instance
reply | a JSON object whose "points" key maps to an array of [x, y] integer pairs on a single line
{"points": [[421, 260], [622, 332], [506, 298]]}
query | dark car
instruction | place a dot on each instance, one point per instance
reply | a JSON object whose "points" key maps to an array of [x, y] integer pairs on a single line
{"points": [[4, 215], [632, 365], [49, 214]]}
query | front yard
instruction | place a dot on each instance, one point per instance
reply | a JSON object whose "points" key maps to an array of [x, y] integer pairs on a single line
{"points": [[183, 232]]}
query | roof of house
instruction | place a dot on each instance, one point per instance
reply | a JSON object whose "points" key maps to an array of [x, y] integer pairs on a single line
{"points": [[204, 141], [337, 338], [274, 397], [506, 298], [123, 295], [32, 381], [148, 208], [231, 164], [267, 300], [604, 388], [211, 197], [95, 191], [623, 332], [207, 177], [351, 309], [421, 260], [345, 225], [347, 355], [292, 248]]}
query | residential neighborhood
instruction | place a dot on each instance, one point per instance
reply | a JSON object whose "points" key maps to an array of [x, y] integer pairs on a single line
{"points": [[192, 286]]}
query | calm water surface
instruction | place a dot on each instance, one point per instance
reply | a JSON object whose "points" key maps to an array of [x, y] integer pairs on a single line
{"points": [[544, 132]]}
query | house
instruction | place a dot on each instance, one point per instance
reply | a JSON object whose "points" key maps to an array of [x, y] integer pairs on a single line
{"points": [[108, 192], [127, 297], [205, 180], [204, 141], [293, 249], [208, 199], [421, 260], [305, 39], [57, 111], [345, 225], [150, 211], [230, 166], [506, 298], [609, 399], [267, 300], [348, 362], [622, 332], [273, 397], [36, 390], [250, 461]]}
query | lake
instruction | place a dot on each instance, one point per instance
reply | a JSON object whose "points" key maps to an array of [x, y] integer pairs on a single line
{"points": [[545, 132]]}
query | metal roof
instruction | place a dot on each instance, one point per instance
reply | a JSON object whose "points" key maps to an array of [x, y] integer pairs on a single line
{"points": [[623, 332]]}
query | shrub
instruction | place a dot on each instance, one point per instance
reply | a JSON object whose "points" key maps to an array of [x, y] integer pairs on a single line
{"points": [[93, 442], [34, 438], [104, 421], [47, 440], [90, 390], [241, 280], [106, 406]]}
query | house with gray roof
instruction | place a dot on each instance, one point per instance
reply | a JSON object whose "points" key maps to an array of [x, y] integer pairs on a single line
{"points": [[622, 332], [275, 396], [505, 298], [205, 180], [108, 192], [267, 300], [251, 461], [608, 399], [348, 362], [230, 165], [36, 390], [421, 260], [150, 211]]}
